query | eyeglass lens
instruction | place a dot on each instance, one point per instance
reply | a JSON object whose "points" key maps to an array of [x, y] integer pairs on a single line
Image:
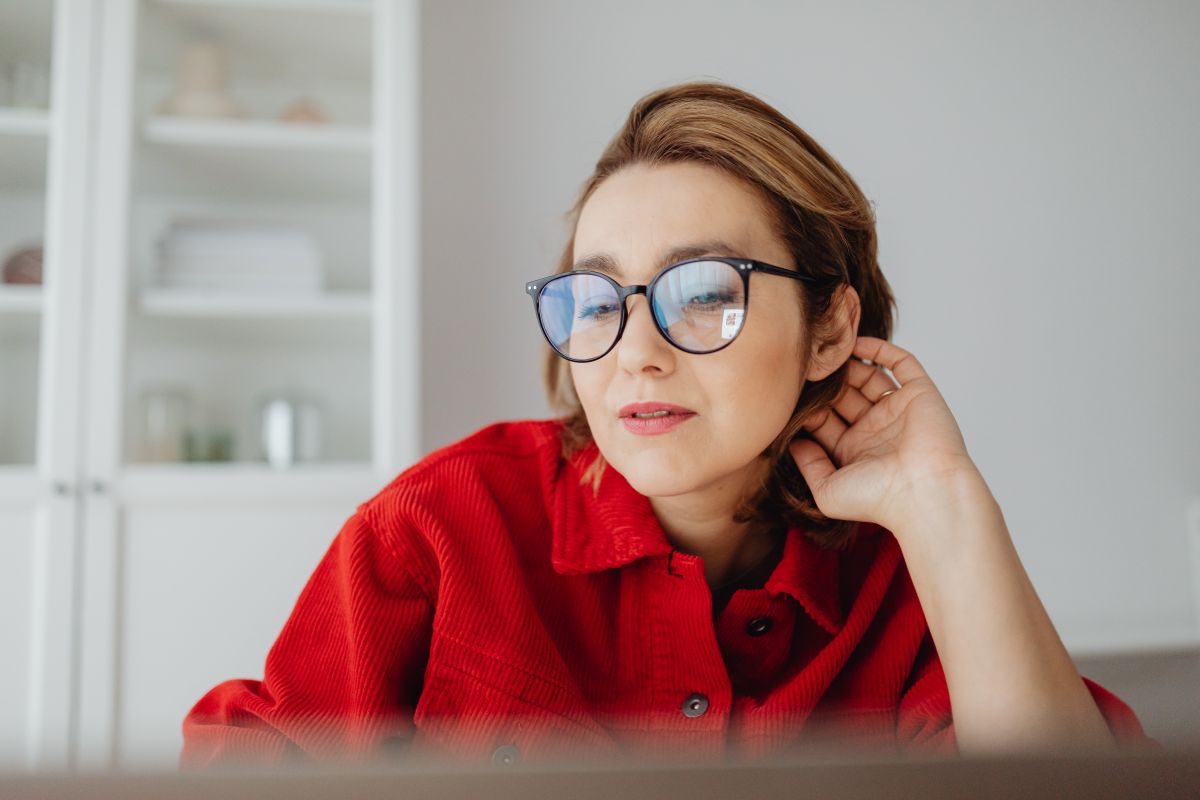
{"points": [[699, 304]]}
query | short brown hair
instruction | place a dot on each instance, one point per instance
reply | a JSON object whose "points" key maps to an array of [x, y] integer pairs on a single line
{"points": [[818, 211]]}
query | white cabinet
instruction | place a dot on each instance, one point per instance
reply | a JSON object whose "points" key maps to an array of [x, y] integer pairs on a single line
{"points": [[133, 584]]}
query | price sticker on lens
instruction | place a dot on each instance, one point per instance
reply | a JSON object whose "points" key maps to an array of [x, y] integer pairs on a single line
{"points": [[731, 322]]}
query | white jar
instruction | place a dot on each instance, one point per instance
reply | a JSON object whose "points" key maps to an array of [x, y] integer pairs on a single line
{"points": [[290, 427]]}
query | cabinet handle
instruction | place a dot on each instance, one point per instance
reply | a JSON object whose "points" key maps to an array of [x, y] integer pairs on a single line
{"points": [[99, 487], [61, 488]]}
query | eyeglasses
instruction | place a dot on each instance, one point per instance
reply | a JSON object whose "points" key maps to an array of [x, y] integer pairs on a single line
{"points": [[698, 305]]}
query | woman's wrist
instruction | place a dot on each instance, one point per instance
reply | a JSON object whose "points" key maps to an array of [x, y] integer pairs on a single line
{"points": [[944, 503]]}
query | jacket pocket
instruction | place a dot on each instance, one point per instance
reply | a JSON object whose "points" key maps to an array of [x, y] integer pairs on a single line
{"points": [[477, 706]]}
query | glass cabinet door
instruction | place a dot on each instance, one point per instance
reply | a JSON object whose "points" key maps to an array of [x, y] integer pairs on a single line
{"points": [[25, 64], [247, 333], [25, 49], [45, 114], [233, 360]]}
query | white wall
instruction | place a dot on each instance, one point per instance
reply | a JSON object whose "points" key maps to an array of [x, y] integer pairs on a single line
{"points": [[1034, 169]]}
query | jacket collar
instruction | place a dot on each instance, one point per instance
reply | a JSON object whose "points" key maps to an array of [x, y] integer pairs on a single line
{"points": [[617, 526]]}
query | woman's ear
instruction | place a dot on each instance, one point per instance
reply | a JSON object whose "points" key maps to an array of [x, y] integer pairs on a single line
{"points": [[827, 356]]}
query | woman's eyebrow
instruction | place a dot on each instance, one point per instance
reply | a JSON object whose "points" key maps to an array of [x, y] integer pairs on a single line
{"points": [[604, 262]]}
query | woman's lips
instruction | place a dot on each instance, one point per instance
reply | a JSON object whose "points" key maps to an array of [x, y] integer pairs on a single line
{"points": [[647, 406], [653, 426]]}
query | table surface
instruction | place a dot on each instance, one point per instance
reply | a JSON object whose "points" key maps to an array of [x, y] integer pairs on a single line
{"points": [[1164, 775]]}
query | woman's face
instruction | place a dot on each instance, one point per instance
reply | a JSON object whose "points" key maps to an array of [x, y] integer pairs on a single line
{"points": [[743, 394]]}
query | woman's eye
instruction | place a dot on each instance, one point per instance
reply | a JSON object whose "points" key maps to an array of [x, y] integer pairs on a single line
{"points": [[708, 299], [596, 311]]}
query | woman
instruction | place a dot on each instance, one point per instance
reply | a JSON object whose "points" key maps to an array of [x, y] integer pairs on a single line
{"points": [[743, 537]]}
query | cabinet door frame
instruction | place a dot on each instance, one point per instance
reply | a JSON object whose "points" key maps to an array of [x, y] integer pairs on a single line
{"points": [[395, 236], [57, 536], [104, 367]]}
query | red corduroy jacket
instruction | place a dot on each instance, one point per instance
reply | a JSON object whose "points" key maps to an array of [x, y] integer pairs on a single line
{"points": [[485, 605]]}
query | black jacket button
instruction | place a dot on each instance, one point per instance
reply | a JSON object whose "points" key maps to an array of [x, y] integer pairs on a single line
{"points": [[695, 705], [506, 755], [759, 625]]}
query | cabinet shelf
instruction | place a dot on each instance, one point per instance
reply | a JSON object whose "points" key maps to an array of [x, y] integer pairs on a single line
{"points": [[257, 337], [20, 122], [330, 6], [19, 299], [257, 482], [256, 158], [257, 134], [164, 302]]}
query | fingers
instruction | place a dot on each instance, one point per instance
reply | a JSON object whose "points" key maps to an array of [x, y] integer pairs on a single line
{"points": [[813, 463], [903, 364], [826, 428], [865, 385], [870, 380], [851, 404]]}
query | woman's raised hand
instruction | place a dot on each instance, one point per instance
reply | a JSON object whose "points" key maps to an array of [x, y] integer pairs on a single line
{"points": [[884, 448]]}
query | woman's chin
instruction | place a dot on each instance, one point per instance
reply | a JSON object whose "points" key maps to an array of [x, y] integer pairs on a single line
{"points": [[655, 476]]}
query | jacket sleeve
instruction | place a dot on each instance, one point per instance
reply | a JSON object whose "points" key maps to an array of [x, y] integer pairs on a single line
{"points": [[345, 672], [925, 722]]}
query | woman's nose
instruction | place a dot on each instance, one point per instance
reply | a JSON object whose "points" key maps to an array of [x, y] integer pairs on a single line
{"points": [[641, 343]]}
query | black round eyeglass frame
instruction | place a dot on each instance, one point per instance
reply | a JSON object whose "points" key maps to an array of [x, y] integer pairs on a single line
{"points": [[744, 267]]}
